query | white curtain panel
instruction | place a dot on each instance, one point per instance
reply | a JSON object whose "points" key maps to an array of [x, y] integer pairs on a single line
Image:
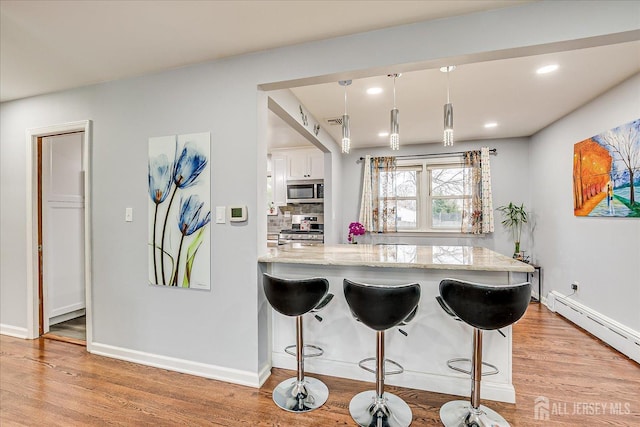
{"points": [[487, 198], [366, 212], [477, 217]]}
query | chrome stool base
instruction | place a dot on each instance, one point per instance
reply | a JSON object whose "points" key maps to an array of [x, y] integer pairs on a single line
{"points": [[391, 411], [305, 396], [459, 413]]}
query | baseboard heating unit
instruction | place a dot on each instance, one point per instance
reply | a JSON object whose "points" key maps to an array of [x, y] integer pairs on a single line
{"points": [[620, 337]]}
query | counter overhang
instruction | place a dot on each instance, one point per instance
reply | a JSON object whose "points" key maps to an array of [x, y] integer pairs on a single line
{"points": [[470, 258]]}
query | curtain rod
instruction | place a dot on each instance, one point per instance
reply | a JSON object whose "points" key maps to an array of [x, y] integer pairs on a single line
{"points": [[453, 153]]}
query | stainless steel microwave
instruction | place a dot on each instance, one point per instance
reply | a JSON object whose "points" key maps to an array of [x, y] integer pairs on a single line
{"points": [[309, 191]]}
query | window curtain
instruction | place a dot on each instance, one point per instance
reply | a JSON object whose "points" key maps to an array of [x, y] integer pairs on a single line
{"points": [[477, 213], [378, 207], [366, 211]]}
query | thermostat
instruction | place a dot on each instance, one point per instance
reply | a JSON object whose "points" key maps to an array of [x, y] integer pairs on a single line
{"points": [[237, 213]]}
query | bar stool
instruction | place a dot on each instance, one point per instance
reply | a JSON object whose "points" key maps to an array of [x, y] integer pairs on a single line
{"points": [[454, 363], [381, 307], [295, 297], [484, 307]]}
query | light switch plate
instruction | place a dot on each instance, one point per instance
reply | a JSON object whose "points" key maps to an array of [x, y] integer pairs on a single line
{"points": [[128, 214], [221, 212]]}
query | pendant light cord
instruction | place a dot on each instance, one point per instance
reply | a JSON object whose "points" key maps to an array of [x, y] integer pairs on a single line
{"points": [[394, 90], [345, 100], [448, 100]]}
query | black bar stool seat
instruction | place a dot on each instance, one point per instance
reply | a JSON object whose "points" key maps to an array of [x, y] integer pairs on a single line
{"points": [[294, 298], [381, 307], [484, 307]]}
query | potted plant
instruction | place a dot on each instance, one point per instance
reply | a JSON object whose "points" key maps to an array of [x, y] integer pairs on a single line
{"points": [[355, 229], [513, 218]]}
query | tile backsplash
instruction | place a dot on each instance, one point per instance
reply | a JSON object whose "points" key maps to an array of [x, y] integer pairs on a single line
{"points": [[279, 222]]}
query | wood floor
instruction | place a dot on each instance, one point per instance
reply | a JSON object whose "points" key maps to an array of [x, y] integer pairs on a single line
{"points": [[52, 383]]}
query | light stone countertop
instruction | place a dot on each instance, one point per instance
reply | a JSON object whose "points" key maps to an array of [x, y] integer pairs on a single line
{"points": [[396, 256]]}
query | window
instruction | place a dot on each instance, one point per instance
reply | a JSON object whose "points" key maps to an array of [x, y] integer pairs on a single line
{"points": [[405, 191], [429, 194], [446, 196]]}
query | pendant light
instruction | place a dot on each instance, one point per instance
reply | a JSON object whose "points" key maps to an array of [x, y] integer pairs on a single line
{"points": [[346, 132], [447, 138], [394, 131]]}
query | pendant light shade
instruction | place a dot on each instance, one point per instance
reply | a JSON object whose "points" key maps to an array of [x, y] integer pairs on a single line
{"points": [[346, 134], [346, 131], [448, 124], [447, 138], [394, 130]]}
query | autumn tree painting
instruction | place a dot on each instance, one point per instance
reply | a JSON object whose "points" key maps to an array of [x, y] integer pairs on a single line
{"points": [[606, 173]]}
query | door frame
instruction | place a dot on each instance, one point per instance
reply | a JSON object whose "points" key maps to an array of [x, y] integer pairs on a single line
{"points": [[32, 135]]}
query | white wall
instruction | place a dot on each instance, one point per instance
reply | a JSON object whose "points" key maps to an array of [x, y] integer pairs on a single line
{"points": [[602, 254], [509, 179], [225, 327]]}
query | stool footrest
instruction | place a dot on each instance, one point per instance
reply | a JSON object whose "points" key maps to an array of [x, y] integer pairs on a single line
{"points": [[308, 350], [399, 367], [451, 363]]}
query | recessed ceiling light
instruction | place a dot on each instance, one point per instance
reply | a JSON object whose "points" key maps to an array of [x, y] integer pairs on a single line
{"points": [[374, 90], [547, 69], [490, 125], [383, 134]]}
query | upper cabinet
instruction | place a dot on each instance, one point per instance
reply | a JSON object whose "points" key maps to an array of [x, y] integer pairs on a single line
{"points": [[305, 164], [277, 180]]}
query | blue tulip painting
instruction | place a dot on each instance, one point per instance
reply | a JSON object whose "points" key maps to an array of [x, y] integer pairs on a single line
{"points": [[179, 211]]}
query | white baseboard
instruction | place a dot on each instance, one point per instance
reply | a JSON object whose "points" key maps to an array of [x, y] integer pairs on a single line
{"points": [[456, 384], [235, 376], [14, 331], [67, 316], [264, 374], [618, 336]]}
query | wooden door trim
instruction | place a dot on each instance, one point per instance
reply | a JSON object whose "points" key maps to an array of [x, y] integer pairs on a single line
{"points": [[40, 239]]}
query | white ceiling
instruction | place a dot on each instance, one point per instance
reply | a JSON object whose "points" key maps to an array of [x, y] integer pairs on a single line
{"points": [[52, 45], [508, 92], [47, 46]]}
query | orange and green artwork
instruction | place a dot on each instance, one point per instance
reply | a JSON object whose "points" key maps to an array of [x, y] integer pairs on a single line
{"points": [[606, 173]]}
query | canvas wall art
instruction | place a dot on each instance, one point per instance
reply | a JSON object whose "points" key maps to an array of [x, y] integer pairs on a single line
{"points": [[180, 211], [606, 173]]}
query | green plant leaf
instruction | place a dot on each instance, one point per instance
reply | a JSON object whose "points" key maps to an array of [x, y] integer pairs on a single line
{"points": [[191, 254], [513, 218]]}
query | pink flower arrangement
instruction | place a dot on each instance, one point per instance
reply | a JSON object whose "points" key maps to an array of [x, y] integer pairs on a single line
{"points": [[355, 229]]}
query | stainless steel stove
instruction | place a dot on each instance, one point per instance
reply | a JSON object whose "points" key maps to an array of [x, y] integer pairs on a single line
{"points": [[305, 228]]}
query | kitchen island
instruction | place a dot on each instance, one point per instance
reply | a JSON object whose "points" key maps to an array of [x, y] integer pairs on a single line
{"points": [[433, 336]]}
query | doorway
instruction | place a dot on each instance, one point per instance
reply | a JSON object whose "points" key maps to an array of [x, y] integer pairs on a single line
{"points": [[61, 287], [58, 232]]}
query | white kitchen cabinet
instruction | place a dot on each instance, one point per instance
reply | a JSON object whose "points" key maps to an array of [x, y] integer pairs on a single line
{"points": [[316, 165], [305, 164], [279, 179]]}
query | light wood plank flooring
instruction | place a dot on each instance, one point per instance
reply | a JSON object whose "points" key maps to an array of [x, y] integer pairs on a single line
{"points": [[52, 383]]}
